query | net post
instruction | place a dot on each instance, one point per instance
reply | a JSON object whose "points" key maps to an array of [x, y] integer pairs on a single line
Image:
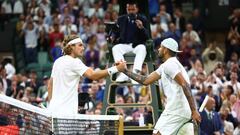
{"points": [[121, 125]]}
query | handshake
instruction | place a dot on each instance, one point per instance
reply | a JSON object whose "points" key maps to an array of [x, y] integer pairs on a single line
{"points": [[121, 65]]}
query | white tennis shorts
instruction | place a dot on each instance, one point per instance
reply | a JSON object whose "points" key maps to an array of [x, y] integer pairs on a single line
{"points": [[169, 124]]}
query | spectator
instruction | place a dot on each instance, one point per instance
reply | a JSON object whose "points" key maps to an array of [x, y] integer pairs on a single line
{"points": [[211, 56], [211, 81], [30, 33], [10, 69], [7, 7], [237, 130], [228, 126], [51, 19], [197, 23], [165, 17], [235, 106], [66, 14], [102, 44], [200, 85], [55, 36], [130, 91], [32, 82], [56, 51], [197, 67], [96, 10], [232, 42], [43, 44], [12, 91], [185, 55], [115, 5], [192, 36], [179, 20], [18, 7], [68, 27], [95, 22], [42, 26], [173, 32], [95, 92], [84, 26], [32, 8], [234, 82], [138, 116], [29, 95], [42, 90], [211, 122], [45, 5], [227, 92], [80, 18], [234, 18], [119, 99], [73, 7], [92, 53], [234, 59], [219, 75], [133, 35], [114, 16]]}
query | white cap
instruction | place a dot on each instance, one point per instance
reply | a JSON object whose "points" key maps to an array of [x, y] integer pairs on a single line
{"points": [[171, 44]]}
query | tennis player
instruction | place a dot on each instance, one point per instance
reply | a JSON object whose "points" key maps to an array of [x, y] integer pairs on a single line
{"points": [[65, 77], [173, 79]]}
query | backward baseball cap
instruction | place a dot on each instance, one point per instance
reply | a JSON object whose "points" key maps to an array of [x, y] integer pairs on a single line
{"points": [[171, 44]]}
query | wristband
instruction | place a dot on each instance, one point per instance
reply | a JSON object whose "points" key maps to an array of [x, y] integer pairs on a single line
{"points": [[112, 70]]}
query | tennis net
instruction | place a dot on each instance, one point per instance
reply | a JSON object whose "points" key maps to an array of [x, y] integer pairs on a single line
{"points": [[20, 118]]}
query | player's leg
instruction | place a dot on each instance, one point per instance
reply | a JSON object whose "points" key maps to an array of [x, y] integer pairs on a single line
{"points": [[169, 124]]}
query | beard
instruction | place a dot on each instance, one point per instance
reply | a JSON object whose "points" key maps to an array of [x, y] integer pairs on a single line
{"points": [[160, 55]]}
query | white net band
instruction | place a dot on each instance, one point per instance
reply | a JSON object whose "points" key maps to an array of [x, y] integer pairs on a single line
{"points": [[23, 105]]}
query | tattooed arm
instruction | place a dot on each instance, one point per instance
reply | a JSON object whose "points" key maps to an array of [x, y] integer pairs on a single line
{"points": [[145, 80], [187, 91]]}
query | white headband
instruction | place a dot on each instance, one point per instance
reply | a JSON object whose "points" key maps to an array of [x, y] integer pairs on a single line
{"points": [[75, 41]]}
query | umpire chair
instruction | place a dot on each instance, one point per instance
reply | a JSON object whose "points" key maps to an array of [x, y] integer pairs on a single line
{"points": [[109, 105]]}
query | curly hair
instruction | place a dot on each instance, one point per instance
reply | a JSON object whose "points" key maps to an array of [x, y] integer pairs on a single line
{"points": [[66, 48]]}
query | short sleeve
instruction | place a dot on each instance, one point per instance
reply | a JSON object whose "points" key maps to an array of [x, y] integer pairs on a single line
{"points": [[53, 71], [171, 69], [79, 67], [159, 70]]}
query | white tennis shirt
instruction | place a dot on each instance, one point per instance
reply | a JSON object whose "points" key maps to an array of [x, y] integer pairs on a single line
{"points": [[176, 101], [66, 74]]}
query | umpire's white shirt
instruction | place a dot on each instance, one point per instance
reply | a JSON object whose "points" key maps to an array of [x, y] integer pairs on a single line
{"points": [[176, 102], [66, 74]]}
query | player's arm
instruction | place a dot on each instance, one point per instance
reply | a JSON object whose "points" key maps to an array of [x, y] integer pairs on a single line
{"points": [[145, 80], [95, 75], [50, 84], [187, 91]]}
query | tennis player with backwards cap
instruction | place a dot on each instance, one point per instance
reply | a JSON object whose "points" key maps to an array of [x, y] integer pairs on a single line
{"points": [[175, 83], [65, 77]]}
